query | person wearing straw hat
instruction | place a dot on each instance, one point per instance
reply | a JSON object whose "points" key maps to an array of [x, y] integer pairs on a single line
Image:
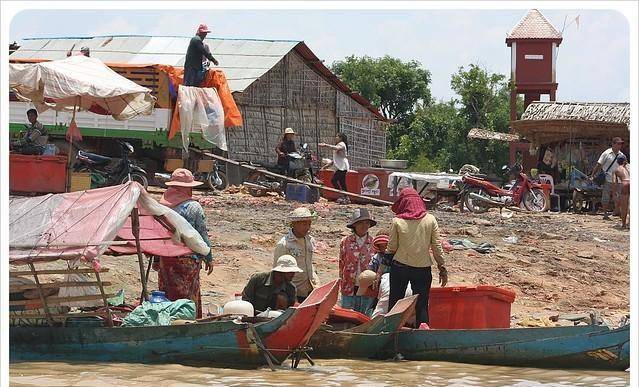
{"points": [[273, 289], [284, 148], [299, 244], [194, 72], [355, 253], [179, 277]]}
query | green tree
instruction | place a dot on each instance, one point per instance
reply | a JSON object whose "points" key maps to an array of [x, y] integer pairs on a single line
{"points": [[396, 87]]}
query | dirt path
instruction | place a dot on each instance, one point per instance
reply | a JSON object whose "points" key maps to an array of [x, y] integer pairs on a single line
{"points": [[562, 263]]}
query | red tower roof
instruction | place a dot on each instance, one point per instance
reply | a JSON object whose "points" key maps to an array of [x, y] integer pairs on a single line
{"points": [[533, 26]]}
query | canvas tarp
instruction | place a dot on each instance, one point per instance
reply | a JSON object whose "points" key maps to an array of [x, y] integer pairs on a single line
{"points": [[74, 224], [79, 81]]}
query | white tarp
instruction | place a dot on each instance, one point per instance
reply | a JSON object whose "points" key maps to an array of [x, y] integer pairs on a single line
{"points": [[201, 111], [79, 81]]}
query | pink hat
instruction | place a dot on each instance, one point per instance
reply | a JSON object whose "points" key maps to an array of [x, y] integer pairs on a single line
{"points": [[183, 178], [203, 28]]}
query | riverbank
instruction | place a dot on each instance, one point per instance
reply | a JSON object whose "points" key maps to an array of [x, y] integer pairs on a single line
{"points": [[560, 264]]}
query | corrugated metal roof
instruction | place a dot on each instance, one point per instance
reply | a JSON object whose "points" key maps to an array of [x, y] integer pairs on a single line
{"points": [[242, 60], [534, 25]]}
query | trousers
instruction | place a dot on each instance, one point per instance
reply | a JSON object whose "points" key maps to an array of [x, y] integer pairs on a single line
{"points": [[420, 279]]}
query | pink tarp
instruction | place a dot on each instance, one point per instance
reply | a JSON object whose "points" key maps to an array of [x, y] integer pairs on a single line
{"points": [[76, 224]]}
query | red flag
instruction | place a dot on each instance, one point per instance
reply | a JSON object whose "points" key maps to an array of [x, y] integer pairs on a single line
{"points": [[73, 132]]}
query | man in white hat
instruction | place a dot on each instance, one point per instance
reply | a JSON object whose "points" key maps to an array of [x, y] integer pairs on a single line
{"points": [[300, 245], [273, 289]]}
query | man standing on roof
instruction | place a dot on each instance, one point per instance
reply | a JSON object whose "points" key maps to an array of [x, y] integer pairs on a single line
{"points": [[194, 71]]}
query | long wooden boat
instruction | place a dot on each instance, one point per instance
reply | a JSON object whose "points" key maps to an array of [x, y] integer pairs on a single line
{"points": [[586, 347], [230, 343], [367, 340]]}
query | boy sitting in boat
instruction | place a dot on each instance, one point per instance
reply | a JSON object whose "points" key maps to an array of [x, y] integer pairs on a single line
{"points": [[273, 289]]}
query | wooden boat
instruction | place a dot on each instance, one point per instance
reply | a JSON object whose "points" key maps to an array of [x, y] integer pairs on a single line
{"points": [[234, 343], [72, 227], [586, 347], [368, 340]]}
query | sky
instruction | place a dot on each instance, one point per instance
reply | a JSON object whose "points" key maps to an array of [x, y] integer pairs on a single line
{"points": [[592, 63]]}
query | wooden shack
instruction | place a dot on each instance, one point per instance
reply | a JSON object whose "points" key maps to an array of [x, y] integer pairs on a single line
{"points": [[276, 84]]}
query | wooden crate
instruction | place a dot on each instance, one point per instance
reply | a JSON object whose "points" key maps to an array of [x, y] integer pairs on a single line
{"points": [[173, 164], [79, 181], [205, 165]]}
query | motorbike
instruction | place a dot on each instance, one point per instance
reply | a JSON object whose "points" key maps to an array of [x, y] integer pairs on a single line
{"points": [[477, 194], [107, 171], [214, 180], [301, 167]]}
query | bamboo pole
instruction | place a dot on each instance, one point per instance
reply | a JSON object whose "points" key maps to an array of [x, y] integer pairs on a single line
{"points": [[41, 294], [135, 225], [104, 299]]}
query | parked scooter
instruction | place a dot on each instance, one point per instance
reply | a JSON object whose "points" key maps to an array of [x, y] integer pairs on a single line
{"points": [[107, 171], [300, 167], [478, 194], [215, 180]]}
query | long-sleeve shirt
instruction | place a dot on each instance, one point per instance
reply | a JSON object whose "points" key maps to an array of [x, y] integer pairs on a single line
{"points": [[195, 53], [262, 292], [36, 134], [302, 250], [411, 241], [193, 212]]}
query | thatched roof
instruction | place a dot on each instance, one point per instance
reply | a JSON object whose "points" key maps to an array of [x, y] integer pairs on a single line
{"points": [[545, 122], [617, 113], [485, 134]]}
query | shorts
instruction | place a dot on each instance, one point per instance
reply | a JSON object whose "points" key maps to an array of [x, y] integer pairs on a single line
{"points": [[624, 188]]}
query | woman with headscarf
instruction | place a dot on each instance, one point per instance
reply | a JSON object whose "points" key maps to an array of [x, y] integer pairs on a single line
{"points": [[413, 234], [179, 277]]}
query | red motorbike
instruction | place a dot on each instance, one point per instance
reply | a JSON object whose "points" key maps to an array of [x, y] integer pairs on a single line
{"points": [[478, 194]]}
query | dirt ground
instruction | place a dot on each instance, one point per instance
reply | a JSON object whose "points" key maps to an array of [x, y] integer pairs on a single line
{"points": [[561, 263]]}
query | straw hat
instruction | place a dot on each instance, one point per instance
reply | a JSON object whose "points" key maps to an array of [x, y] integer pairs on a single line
{"points": [[300, 214], [366, 279], [286, 264], [289, 131], [359, 215], [183, 178]]}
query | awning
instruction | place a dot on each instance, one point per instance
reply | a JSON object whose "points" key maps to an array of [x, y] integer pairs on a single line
{"points": [[485, 134], [81, 82]]}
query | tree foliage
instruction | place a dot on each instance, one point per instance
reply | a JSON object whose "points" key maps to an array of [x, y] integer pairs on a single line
{"points": [[433, 136]]}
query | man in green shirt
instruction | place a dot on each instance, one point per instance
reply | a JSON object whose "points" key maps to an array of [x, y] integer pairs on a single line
{"points": [[273, 289], [194, 71]]}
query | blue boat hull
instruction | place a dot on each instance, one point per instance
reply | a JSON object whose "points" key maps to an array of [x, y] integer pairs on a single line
{"points": [[586, 347]]}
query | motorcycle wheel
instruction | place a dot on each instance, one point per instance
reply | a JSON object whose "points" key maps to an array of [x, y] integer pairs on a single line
{"points": [[472, 205], [256, 178], [535, 200], [135, 176], [210, 181]]}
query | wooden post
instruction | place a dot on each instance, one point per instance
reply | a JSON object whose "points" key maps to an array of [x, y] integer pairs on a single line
{"points": [[104, 299], [47, 312], [135, 225]]}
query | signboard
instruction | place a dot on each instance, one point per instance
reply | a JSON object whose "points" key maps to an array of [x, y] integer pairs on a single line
{"points": [[534, 57], [370, 185]]}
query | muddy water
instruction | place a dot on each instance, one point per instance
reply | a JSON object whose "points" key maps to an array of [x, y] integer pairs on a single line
{"points": [[324, 373]]}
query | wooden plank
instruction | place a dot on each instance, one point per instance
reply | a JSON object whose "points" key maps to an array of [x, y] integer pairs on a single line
{"points": [[61, 300], [104, 299], [57, 271], [289, 179], [53, 285], [62, 315]]}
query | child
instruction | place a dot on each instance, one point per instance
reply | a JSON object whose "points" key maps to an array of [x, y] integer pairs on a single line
{"points": [[355, 255]]}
